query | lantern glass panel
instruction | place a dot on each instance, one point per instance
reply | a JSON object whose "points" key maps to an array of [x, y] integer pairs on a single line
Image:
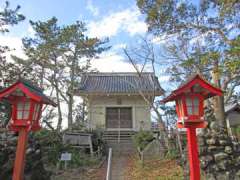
{"points": [[189, 106], [19, 115], [23, 109], [196, 105]]}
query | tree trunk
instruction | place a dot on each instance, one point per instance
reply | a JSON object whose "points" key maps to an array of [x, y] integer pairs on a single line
{"points": [[59, 125], [42, 76], [55, 81], [70, 112], [70, 93], [218, 100]]}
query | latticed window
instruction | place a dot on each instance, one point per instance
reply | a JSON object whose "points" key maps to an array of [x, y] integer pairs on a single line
{"points": [[192, 104], [23, 110]]}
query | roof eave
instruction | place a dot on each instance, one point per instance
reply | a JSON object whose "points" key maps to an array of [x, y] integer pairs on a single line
{"points": [[84, 93]]}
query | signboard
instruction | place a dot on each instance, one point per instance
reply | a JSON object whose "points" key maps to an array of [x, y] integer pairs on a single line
{"points": [[66, 157]]}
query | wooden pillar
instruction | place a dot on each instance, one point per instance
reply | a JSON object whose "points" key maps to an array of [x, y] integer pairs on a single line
{"points": [[193, 154], [19, 163]]}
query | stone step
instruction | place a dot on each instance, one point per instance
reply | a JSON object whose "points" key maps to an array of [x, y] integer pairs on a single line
{"points": [[115, 135], [126, 135], [121, 143], [116, 138], [117, 132], [122, 147], [118, 141]]}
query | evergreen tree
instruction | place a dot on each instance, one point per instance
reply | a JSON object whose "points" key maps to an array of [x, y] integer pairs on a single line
{"points": [[58, 56], [8, 17], [200, 37]]}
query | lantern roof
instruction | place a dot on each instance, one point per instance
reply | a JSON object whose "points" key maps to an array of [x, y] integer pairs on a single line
{"points": [[195, 84], [27, 88]]}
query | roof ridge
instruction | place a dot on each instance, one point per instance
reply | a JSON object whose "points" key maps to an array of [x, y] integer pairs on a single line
{"points": [[118, 74]]}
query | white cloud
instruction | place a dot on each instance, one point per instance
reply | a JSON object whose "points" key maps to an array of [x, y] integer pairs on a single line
{"points": [[112, 62], [165, 38], [93, 9], [120, 46], [15, 44], [164, 78], [30, 31], [126, 20], [199, 39]]}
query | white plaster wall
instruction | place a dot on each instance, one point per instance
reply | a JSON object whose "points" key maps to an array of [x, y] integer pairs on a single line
{"points": [[140, 110], [143, 117]]}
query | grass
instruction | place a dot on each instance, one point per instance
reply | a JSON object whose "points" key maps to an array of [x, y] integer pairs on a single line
{"points": [[162, 169]]}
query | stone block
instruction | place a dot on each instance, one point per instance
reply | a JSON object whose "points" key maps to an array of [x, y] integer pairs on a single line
{"points": [[228, 149], [223, 142], [212, 148], [211, 141], [220, 156]]}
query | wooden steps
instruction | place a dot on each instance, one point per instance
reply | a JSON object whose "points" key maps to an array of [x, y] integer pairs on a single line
{"points": [[120, 142], [116, 135]]}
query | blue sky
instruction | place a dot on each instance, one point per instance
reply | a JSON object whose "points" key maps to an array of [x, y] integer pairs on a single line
{"points": [[120, 21]]}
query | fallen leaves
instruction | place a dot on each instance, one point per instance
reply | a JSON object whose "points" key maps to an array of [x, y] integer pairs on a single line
{"points": [[161, 169]]}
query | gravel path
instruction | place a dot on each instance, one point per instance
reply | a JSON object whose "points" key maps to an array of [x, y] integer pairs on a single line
{"points": [[120, 165]]}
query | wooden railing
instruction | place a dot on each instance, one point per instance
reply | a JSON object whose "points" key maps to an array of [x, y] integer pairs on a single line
{"points": [[109, 165]]}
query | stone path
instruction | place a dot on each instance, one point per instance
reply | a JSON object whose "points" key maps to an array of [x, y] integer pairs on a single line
{"points": [[122, 151], [120, 165]]}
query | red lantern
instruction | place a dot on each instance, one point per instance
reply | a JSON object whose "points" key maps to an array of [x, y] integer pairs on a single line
{"points": [[27, 101], [189, 98]]}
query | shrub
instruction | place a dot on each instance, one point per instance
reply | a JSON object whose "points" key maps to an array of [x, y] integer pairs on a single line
{"points": [[51, 145], [80, 158], [97, 141], [142, 139], [172, 153]]}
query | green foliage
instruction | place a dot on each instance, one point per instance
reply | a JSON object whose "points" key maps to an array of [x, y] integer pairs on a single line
{"points": [[8, 70], [82, 159], [9, 16], [79, 159], [201, 37], [58, 56], [142, 138], [52, 148], [170, 17], [97, 141], [236, 131], [172, 153], [51, 144]]}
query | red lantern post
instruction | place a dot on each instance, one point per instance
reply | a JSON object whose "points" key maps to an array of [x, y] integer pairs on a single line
{"points": [[27, 101], [189, 98]]}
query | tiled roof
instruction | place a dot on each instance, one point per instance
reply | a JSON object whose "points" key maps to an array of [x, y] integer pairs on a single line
{"points": [[232, 107], [119, 83]]}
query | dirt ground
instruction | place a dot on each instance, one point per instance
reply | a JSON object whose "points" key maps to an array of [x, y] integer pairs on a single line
{"points": [[82, 174], [154, 170], [164, 169]]}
